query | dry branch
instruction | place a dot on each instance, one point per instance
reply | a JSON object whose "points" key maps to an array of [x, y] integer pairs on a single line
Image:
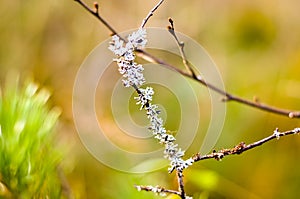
{"points": [[242, 147], [191, 74], [150, 14]]}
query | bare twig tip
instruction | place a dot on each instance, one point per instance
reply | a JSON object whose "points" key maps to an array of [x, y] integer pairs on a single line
{"points": [[297, 131], [171, 23], [225, 99], [96, 6], [138, 187], [294, 114], [256, 99], [150, 14]]}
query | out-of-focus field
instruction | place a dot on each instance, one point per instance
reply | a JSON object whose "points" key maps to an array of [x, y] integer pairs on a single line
{"points": [[256, 46]]}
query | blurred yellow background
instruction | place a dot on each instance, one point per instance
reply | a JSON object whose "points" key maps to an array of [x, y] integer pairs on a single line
{"points": [[256, 46]]}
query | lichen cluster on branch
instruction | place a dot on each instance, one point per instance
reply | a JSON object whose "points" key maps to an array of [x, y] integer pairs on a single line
{"points": [[126, 51], [133, 76]]}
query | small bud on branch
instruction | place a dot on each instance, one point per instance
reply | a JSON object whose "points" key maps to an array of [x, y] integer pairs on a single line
{"points": [[96, 6]]}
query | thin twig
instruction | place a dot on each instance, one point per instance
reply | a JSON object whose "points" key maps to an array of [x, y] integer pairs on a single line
{"points": [[242, 147], [238, 149], [150, 14], [180, 184], [156, 189], [228, 97], [180, 44], [99, 17]]}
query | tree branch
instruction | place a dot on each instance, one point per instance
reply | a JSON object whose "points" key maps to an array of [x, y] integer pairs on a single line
{"points": [[227, 96], [98, 16], [242, 147], [190, 73], [180, 45], [156, 189], [150, 14], [180, 184]]}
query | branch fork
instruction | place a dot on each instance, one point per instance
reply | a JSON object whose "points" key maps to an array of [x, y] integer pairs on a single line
{"points": [[145, 97]]}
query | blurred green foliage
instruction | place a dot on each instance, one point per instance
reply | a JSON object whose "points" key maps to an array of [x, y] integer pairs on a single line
{"points": [[253, 30], [28, 161], [256, 45]]}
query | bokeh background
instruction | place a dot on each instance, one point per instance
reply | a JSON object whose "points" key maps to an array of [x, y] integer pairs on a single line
{"points": [[256, 46]]}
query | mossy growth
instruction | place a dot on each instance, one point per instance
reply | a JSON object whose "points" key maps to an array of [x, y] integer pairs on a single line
{"points": [[28, 160]]}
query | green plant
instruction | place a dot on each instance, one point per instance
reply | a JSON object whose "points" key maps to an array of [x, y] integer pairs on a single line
{"points": [[28, 161]]}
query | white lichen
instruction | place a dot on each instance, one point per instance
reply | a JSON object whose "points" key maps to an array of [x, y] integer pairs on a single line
{"points": [[133, 76]]}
